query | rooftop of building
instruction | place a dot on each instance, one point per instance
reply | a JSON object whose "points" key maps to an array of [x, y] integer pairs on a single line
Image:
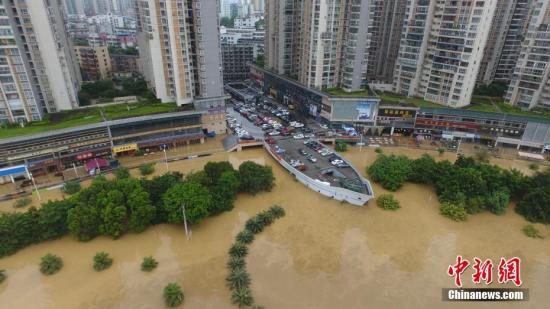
{"points": [[86, 116]]}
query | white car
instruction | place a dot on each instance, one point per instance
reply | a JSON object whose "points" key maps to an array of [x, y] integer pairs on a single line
{"points": [[298, 125], [298, 136], [324, 126], [274, 133], [336, 162], [309, 135]]}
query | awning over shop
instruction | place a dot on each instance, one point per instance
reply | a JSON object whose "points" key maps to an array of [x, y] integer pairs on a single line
{"points": [[95, 163], [13, 170]]}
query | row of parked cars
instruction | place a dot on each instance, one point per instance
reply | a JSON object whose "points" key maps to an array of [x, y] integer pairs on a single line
{"points": [[236, 128], [324, 152]]}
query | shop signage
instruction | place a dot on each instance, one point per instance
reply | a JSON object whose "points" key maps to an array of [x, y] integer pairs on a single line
{"points": [[123, 148]]}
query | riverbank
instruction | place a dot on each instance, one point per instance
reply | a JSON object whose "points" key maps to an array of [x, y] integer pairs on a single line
{"points": [[323, 255]]}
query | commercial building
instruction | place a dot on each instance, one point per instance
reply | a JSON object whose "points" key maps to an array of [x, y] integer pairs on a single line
{"points": [[59, 149], [180, 49], [370, 115], [385, 27], [504, 43], [530, 85], [441, 49], [95, 62], [320, 44], [338, 110], [38, 68]]}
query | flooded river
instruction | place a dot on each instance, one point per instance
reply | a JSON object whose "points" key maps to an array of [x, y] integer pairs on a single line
{"points": [[323, 254]]}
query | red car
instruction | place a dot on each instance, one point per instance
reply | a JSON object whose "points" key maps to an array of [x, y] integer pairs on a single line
{"points": [[271, 141]]}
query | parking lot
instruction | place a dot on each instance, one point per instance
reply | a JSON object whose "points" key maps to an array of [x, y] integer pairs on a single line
{"points": [[318, 161]]}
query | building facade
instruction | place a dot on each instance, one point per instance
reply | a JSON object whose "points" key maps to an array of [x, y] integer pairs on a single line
{"points": [[39, 71], [530, 85], [441, 49], [236, 58], [180, 49], [320, 44], [504, 44], [95, 62], [386, 23]]}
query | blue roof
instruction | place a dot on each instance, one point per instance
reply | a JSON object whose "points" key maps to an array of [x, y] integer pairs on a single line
{"points": [[13, 170]]}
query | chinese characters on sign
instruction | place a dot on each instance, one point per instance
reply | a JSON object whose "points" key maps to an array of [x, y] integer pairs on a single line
{"points": [[508, 270]]}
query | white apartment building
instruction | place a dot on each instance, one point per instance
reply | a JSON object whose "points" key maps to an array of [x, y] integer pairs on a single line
{"points": [[38, 68], [441, 49], [322, 44], [530, 85], [504, 44], [246, 22], [180, 49]]}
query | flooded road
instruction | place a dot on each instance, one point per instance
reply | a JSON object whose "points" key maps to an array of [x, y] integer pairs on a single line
{"points": [[322, 254]]}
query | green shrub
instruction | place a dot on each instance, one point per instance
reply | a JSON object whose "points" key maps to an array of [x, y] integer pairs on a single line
{"points": [[149, 263], [50, 264], [236, 262], [2, 275], [238, 279], [454, 212], [441, 150], [531, 231], [387, 202], [277, 211], [266, 217], [22, 202], [255, 225], [122, 172], [341, 147], [242, 297], [102, 261], [534, 166], [71, 186], [147, 169], [173, 295], [245, 236], [238, 249], [379, 150]]}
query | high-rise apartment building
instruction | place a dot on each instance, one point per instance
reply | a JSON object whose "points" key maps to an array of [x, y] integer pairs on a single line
{"points": [[74, 7], [503, 46], [180, 49], [530, 85], [38, 68], [441, 49], [385, 27], [322, 44], [94, 62]]}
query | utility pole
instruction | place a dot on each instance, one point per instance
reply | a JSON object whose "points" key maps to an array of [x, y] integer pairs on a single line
{"points": [[165, 158], [75, 171], [187, 231], [458, 148], [35, 187]]}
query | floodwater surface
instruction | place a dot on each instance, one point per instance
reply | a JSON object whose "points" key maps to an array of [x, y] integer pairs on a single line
{"points": [[322, 254]]}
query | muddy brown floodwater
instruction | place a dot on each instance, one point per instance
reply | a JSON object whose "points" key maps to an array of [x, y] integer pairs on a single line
{"points": [[323, 254]]}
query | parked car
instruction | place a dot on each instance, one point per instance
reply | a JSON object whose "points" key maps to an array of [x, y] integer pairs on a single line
{"points": [[312, 159], [274, 133], [298, 136], [302, 152]]}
